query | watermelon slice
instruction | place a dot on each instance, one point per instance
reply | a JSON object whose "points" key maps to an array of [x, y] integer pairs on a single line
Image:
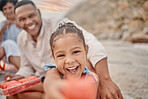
{"points": [[79, 89], [14, 86]]}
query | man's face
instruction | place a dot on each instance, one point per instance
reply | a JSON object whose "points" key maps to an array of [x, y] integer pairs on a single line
{"points": [[8, 10], [29, 19]]}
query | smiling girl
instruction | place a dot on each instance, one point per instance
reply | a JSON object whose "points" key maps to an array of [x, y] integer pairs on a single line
{"points": [[70, 54]]}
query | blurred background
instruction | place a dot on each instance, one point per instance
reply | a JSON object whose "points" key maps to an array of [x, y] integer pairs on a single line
{"points": [[121, 26]]}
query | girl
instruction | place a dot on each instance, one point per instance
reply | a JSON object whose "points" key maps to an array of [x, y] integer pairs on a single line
{"points": [[70, 54]]}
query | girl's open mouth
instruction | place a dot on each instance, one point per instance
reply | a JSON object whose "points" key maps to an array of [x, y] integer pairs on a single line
{"points": [[72, 70]]}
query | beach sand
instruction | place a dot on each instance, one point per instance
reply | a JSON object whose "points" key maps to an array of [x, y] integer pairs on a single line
{"points": [[128, 66]]}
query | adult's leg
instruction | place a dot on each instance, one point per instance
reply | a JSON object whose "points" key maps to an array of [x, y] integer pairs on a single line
{"points": [[27, 95], [36, 92], [15, 60], [12, 53]]}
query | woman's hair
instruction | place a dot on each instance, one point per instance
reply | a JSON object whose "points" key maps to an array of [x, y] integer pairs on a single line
{"points": [[66, 28], [4, 2]]}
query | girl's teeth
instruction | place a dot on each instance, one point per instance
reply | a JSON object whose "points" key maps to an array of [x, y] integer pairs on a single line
{"points": [[31, 27], [72, 70], [72, 67]]}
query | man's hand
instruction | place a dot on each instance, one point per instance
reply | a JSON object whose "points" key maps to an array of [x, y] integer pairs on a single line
{"points": [[9, 77], [109, 90]]}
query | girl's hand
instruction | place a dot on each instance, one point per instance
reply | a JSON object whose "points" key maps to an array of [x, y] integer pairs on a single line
{"points": [[9, 22], [53, 84], [54, 91]]}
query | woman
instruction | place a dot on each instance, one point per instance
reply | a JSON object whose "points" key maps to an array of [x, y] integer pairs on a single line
{"points": [[8, 35]]}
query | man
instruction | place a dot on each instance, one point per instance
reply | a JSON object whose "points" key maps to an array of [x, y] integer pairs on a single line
{"points": [[35, 51]]}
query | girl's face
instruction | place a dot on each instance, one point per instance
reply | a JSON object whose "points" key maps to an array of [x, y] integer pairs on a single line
{"points": [[8, 10], [70, 55]]}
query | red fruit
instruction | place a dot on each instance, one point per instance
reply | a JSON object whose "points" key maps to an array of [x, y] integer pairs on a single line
{"points": [[9, 84], [79, 89], [13, 87], [27, 79], [31, 83], [13, 90]]}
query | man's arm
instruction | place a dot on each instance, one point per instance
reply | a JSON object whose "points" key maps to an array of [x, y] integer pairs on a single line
{"points": [[108, 89]]}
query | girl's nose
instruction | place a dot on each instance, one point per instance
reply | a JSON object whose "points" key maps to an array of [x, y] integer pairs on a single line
{"points": [[69, 60]]}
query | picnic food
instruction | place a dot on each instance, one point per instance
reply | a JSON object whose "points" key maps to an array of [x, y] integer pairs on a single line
{"points": [[27, 79], [9, 84], [79, 89], [16, 86]]}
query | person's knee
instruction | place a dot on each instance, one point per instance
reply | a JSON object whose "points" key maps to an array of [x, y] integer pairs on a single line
{"points": [[15, 60], [31, 95], [9, 43], [12, 97], [11, 49], [2, 52]]}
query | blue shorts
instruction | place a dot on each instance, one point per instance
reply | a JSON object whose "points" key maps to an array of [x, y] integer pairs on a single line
{"points": [[11, 48]]}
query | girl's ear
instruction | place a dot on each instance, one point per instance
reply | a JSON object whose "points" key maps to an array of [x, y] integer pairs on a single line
{"points": [[86, 49]]}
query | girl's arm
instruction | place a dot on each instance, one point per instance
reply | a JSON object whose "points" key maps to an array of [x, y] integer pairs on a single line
{"points": [[7, 23], [52, 84], [2, 31]]}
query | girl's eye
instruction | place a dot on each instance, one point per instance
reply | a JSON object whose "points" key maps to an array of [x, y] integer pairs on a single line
{"points": [[60, 56], [76, 52]]}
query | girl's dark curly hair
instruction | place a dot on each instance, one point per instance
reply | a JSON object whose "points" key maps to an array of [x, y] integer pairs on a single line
{"points": [[66, 28]]}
